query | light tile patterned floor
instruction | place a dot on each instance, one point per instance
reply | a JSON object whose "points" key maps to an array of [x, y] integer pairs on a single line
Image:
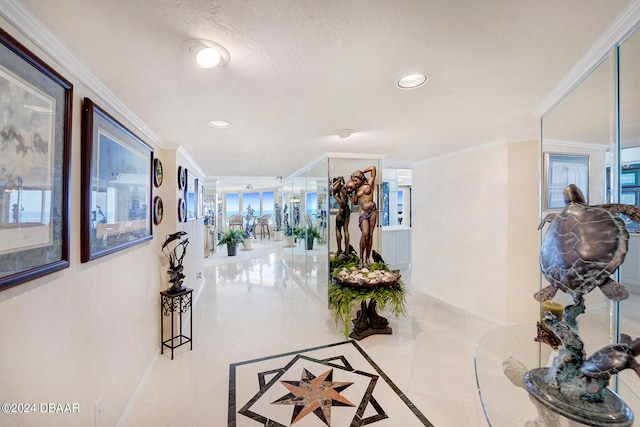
{"points": [[252, 309]]}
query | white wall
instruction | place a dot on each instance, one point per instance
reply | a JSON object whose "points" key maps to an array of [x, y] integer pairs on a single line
{"points": [[470, 226], [90, 331]]}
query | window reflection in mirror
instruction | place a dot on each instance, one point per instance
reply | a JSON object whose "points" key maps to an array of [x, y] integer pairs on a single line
{"points": [[395, 198], [580, 127]]}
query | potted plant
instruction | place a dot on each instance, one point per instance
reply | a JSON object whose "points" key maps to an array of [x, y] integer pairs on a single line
{"points": [[307, 234], [232, 238]]}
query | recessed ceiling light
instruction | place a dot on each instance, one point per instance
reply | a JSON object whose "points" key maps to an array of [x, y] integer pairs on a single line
{"points": [[345, 133], [218, 124], [208, 57], [207, 54], [412, 81]]}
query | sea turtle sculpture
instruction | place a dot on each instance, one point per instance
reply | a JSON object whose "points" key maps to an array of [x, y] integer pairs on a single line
{"points": [[610, 360], [583, 246]]}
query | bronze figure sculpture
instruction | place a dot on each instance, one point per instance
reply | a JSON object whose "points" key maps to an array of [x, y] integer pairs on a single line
{"points": [[360, 191], [583, 247], [339, 192]]}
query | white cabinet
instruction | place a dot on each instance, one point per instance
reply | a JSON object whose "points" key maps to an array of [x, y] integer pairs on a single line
{"points": [[396, 247]]}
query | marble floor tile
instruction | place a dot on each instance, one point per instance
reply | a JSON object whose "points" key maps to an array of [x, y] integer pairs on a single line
{"points": [[252, 309]]}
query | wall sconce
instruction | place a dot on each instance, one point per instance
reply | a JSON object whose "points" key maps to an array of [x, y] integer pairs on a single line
{"points": [[207, 54]]}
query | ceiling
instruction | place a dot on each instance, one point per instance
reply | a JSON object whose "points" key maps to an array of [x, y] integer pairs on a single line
{"points": [[302, 69]]}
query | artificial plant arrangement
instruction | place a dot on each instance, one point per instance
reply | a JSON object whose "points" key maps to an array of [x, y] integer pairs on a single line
{"points": [[348, 291]]}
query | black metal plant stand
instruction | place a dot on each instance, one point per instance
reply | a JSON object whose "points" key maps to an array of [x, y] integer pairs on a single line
{"points": [[170, 304]]}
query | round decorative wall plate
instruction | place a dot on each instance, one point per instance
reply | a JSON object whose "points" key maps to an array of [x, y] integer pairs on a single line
{"points": [[157, 172], [182, 210], [182, 178], [158, 210]]}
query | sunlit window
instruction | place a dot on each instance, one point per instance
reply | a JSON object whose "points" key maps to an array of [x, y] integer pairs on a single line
{"points": [[232, 202]]}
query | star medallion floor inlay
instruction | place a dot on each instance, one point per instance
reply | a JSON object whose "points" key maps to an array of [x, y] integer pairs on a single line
{"points": [[333, 386]]}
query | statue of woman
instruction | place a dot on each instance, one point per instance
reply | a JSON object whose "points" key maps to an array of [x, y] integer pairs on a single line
{"points": [[360, 190], [278, 215], [339, 193]]}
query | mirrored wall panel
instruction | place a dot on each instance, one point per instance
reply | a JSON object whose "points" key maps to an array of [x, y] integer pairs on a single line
{"points": [[582, 144]]}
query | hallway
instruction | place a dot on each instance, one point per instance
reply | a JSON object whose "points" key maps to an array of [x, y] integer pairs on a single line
{"points": [[252, 309]]}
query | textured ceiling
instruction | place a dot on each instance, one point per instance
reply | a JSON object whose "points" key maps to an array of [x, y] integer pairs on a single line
{"points": [[301, 69]]}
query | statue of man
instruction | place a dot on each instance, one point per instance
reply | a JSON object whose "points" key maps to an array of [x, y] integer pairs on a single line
{"points": [[360, 190]]}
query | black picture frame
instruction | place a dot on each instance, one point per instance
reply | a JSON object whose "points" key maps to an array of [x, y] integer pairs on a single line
{"points": [[182, 210], [158, 210], [35, 144], [158, 173], [116, 169], [182, 178], [191, 196]]}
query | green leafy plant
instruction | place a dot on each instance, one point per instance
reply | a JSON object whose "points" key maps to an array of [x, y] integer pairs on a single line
{"points": [[231, 237], [345, 299], [302, 233]]}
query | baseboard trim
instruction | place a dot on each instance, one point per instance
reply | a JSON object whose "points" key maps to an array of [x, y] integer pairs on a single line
{"points": [[139, 389]]}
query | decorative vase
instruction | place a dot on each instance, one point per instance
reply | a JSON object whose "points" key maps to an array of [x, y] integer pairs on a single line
{"points": [[277, 236], [288, 242], [247, 244], [309, 244]]}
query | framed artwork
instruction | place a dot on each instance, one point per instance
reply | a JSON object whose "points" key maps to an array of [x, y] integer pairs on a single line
{"points": [[182, 210], [201, 201], [158, 210], [35, 143], [560, 170], [182, 178], [116, 185], [191, 196], [157, 172]]}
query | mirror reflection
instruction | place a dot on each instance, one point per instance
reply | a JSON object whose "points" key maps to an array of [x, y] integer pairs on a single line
{"points": [[629, 310], [576, 146], [583, 126]]}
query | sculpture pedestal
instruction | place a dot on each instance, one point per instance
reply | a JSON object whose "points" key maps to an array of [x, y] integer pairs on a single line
{"points": [[368, 322], [612, 411]]}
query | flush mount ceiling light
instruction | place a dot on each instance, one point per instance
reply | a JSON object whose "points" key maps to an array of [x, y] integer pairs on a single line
{"points": [[412, 81], [345, 133], [218, 124], [207, 54]]}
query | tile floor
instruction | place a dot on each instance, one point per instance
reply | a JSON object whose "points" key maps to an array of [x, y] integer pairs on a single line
{"points": [[252, 309]]}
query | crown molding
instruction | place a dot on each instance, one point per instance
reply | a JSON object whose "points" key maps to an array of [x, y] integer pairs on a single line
{"points": [[185, 154], [621, 28], [27, 24], [459, 153]]}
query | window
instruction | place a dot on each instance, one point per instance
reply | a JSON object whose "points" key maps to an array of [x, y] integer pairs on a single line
{"points": [[232, 202], [267, 203]]}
